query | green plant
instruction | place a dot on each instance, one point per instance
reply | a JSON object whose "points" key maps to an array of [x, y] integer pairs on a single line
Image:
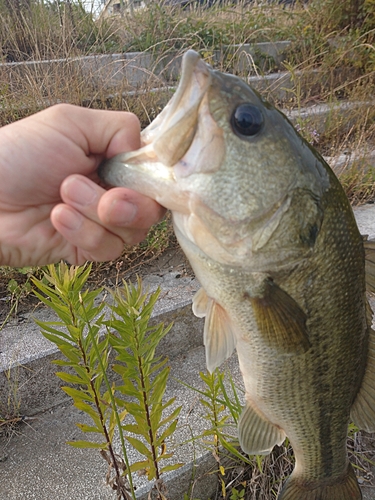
{"points": [[161, 28], [10, 410], [144, 377], [358, 182], [77, 337], [158, 237], [186, 497], [222, 410], [18, 286], [87, 353], [237, 494]]}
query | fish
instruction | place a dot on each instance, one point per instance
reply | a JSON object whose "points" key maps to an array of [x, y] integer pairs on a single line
{"points": [[272, 239]]}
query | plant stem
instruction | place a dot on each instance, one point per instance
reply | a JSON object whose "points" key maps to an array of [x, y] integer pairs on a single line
{"points": [[101, 416], [92, 385], [147, 409], [14, 306], [114, 407]]}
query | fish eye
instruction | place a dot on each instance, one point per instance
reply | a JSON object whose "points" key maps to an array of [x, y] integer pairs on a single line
{"points": [[247, 120]]}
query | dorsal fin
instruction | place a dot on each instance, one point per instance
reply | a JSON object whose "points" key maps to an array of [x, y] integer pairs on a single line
{"points": [[370, 264], [363, 408], [218, 337]]}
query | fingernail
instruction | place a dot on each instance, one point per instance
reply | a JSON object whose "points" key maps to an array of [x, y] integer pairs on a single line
{"points": [[80, 192], [122, 213], [70, 219]]}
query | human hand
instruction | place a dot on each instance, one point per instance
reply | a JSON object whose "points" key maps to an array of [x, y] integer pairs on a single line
{"points": [[51, 205]]}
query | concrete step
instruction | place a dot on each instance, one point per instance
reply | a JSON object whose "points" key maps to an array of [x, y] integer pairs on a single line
{"points": [[133, 69], [35, 462], [25, 357], [108, 76]]}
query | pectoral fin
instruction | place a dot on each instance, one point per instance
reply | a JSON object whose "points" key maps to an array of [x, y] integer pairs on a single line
{"points": [[218, 337], [280, 320], [363, 408], [370, 264], [256, 434], [200, 303]]}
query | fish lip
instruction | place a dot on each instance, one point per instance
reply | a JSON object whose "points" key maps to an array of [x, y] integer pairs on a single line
{"points": [[192, 70]]}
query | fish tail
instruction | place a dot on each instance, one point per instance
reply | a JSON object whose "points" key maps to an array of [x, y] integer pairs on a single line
{"points": [[344, 488]]}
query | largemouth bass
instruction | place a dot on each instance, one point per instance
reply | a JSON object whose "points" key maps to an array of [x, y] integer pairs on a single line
{"points": [[272, 239]]}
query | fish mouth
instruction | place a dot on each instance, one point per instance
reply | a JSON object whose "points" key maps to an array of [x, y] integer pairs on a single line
{"points": [[173, 130], [165, 141]]}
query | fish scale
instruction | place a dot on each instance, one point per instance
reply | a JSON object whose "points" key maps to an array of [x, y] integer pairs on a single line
{"points": [[272, 239]]}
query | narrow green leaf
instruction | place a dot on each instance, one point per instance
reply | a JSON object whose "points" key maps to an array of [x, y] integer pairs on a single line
{"points": [[167, 432], [60, 309], [169, 468], [135, 409], [47, 326], [89, 410], [233, 450], [159, 386], [164, 456], [134, 429], [207, 404], [89, 428], [55, 339], [71, 352], [60, 362], [128, 388], [139, 446], [139, 466], [172, 416], [76, 394], [71, 379]]}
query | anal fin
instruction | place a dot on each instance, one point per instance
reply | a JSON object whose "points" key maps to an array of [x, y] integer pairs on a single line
{"points": [[280, 320], [218, 336], [256, 434]]}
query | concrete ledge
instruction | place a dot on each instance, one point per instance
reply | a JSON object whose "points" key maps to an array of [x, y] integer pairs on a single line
{"points": [[37, 464], [25, 356], [134, 69]]}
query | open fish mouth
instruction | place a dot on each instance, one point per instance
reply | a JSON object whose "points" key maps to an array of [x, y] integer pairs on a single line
{"points": [[170, 135], [172, 132], [165, 141]]}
